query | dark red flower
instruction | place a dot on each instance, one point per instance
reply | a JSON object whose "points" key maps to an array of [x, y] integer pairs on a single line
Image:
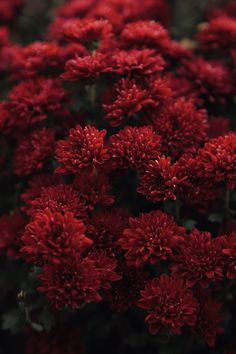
{"points": [[150, 237], [160, 181], [125, 99], [71, 284], [12, 227], [199, 259], [83, 149], [209, 318], [59, 198], [169, 304], [134, 147], [32, 151], [218, 126], [229, 251], [94, 189], [182, 127], [218, 159], [52, 238]]}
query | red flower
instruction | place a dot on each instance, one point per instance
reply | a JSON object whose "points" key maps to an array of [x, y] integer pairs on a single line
{"points": [[199, 259], [30, 102], [94, 189], [125, 99], [182, 127], [12, 227], [150, 237], [90, 66], [169, 304], [229, 251], [209, 318], [83, 149], [60, 198], [143, 34], [52, 238], [32, 151], [160, 181], [218, 160], [105, 227], [71, 284], [134, 147]]}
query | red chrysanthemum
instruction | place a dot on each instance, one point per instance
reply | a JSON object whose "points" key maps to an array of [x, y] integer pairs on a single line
{"points": [[11, 230], [143, 34], [134, 147], [94, 190], [125, 99], [209, 318], [87, 67], [169, 304], [52, 238], [60, 198], [160, 181], [229, 251], [218, 160], [199, 259], [72, 284], [182, 127], [32, 151], [83, 149], [32, 101], [150, 237], [105, 227]]}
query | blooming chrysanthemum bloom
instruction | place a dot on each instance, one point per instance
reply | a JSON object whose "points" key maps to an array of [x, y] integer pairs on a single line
{"points": [[94, 189], [106, 266], [160, 181], [83, 149], [125, 99], [36, 59], [11, 230], [209, 318], [87, 31], [87, 67], [124, 293], [212, 79], [32, 101], [141, 34], [181, 126], [75, 8], [143, 64], [105, 227], [150, 237], [169, 303], [134, 147], [63, 339], [199, 259], [52, 238], [71, 284], [219, 33], [229, 251], [32, 151], [218, 159], [60, 198]]}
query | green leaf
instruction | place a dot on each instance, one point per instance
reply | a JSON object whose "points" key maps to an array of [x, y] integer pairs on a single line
{"points": [[189, 224]]}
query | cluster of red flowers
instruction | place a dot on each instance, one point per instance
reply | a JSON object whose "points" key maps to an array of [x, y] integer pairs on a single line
{"points": [[109, 126]]}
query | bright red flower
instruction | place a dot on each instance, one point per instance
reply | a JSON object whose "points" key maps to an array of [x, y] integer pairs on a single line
{"points": [[52, 238], [94, 190], [150, 237], [182, 127], [169, 304], [83, 149], [209, 318], [160, 181], [134, 147], [199, 259], [33, 150], [71, 284], [218, 160]]}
